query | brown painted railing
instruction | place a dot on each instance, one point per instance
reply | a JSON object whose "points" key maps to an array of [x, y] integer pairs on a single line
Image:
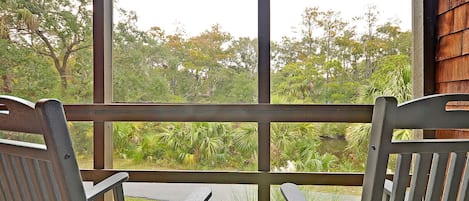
{"points": [[261, 113], [220, 113]]}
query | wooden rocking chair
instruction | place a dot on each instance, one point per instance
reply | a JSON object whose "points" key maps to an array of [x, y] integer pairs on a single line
{"points": [[440, 166], [43, 172]]}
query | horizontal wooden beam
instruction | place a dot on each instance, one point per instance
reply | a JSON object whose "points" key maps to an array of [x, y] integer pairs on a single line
{"points": [[220, 113], [274, 178]]}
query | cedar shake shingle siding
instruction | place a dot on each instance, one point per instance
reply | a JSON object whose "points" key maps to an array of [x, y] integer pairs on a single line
{"points": [[452, 55]]}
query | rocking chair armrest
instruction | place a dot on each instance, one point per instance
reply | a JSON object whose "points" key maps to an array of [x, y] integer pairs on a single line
{"points": [[113, 182], [387, 191], [200, 194], [387, 187], [291, 192]]}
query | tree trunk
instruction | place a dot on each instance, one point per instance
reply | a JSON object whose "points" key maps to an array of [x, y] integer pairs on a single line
{"points": [[7, 83], [63, 78]]}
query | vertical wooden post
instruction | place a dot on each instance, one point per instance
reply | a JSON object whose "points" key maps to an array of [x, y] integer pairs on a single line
{"points": [[429, 45], [423, 52], [264, 95], [417, 55], [417, 48], [102, 85]]}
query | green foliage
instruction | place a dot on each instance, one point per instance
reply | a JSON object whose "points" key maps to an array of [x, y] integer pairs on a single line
{"points": [[48, 54], [24, 74], [393, 79], [192, 145], [294, 142], [82, 138], [24, 137], [297, 81], [235, 87], [57, 35]]}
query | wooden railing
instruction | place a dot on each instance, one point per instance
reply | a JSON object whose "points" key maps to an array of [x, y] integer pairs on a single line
{"points": [[263, 114]]}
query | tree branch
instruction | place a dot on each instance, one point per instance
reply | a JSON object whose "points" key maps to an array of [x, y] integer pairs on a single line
{"points": [[44, 53], [48, 44], [80, 48]]}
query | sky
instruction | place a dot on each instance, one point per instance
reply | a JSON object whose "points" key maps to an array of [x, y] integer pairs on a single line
{"points": [[239, 17]]}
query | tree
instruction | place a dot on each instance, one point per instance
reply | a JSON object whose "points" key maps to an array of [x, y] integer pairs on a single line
{"points": [[349, 52], [392, 79], [235, 87], [333, 27], [394, 40], [204, 61], [310, 19], [24, 74], [371, 46], [139, 59], [55, 29], [298, 81], [243, 55]]}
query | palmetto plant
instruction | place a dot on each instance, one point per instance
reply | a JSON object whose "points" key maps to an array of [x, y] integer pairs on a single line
{"points": [[245, 138], [125, 138], [392, 79], [194, 143], [291, 140], [244, 145]]}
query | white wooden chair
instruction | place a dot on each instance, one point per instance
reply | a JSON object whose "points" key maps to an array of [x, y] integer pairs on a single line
{"points": [[291, 192], [200, 194], [43, 172], [440, 167]]}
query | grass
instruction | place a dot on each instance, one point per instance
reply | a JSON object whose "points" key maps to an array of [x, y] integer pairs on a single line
{"points": [[129, 164], [344, 190], [120, 163]]}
